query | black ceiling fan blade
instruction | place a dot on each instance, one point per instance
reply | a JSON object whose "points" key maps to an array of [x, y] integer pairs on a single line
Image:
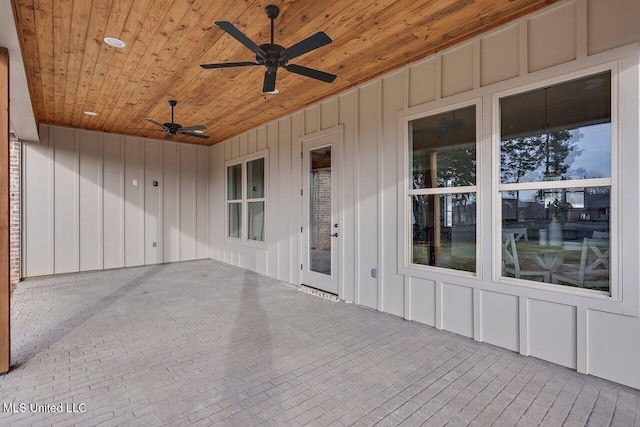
{"points": [[197, 135], [269, 84], [307, 45], [239, 35], [310, 72], [228, 65], [158, 130], [157, 124], [195, 127], [168, 136]]}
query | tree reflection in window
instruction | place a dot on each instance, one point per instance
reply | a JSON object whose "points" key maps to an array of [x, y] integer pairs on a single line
{"points": [[555, 180], [443, 155]]}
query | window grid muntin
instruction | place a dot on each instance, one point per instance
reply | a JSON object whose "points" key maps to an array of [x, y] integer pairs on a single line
{"points": [[410, 191], [244, 238], [611, 182]]}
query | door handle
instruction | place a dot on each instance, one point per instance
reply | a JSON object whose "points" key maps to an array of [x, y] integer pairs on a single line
{"points": [[334, 235]]}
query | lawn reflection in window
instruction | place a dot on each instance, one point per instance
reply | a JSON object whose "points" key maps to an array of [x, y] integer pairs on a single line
{"points": [[557, 133], [444, 238], [442, 154]]}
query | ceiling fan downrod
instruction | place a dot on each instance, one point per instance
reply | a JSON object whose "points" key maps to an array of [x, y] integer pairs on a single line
{"points": [[272, 13], [173, 104]]}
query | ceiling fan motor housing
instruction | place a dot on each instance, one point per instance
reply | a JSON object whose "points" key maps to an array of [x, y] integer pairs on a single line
{"points": [[173, 127], [274, 55]]}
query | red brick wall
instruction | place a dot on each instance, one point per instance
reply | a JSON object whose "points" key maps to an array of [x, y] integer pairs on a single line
{"points": [[323, 210], [14, 195]]}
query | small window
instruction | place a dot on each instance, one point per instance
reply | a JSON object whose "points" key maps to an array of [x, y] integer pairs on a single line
{"points": [[246, 211], [442, 164], [555, 183]]}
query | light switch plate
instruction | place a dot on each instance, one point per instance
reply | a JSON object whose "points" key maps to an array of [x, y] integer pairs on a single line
{"points": [[135, 182]]}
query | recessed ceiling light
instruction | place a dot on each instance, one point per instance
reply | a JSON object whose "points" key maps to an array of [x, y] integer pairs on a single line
{"points": [[197, 131], [90, 113], [273, 92], [112, 41]]}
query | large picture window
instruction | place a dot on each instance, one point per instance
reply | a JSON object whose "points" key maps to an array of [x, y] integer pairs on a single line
{"points": [[555, 183], [246, 200], [442, 189]]}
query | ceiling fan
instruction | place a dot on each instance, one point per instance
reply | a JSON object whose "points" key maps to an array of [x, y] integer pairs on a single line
{"points": [[172, 128], [272, 55]]}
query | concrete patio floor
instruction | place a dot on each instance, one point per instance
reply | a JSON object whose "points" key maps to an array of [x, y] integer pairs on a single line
{"points": [[204, 343]]}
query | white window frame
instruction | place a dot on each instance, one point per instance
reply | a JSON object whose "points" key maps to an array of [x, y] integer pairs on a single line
{"points": [[613, 183], [244, 201], [408, 266]]}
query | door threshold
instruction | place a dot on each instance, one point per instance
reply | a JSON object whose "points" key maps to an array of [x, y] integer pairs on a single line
{"points": [[318, 293]]}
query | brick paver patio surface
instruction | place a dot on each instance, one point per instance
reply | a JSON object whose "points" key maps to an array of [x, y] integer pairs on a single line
{"points": [[200, 343]]}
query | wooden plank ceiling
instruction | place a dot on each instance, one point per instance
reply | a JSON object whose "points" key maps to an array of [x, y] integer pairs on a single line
{"points": [[71, 70]]}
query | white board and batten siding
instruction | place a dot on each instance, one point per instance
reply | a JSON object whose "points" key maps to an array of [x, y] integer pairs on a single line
{"points": [[575, 331], [83, 212]]}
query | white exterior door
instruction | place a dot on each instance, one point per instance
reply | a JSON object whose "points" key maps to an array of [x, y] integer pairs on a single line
{"points": [[320, 226]]}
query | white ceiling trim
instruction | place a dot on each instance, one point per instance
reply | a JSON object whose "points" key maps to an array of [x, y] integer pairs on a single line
{"points": [[20, 110]]}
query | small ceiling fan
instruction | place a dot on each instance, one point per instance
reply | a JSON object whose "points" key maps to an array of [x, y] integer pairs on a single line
{"points": [[272, 55], [172, 128]]}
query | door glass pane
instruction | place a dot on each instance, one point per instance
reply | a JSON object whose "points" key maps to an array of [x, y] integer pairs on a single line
{"points": [[444, 230], [320, 211], [235, 220], [255, 179], [234, 182], [256, 221], [442, 149], [558, 132]]}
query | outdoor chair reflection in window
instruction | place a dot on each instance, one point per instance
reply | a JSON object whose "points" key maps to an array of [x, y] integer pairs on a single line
{"points": [[518, 233], [593, 269], [511, 263]]}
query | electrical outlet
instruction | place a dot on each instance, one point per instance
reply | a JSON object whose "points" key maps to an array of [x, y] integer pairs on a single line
{"points": [[135, 182], [154, 244], [374, 273], [155, 183]]}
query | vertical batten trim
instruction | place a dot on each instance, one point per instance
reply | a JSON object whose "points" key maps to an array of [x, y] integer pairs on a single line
{"points": [[141, 175], [292, 178], [407, 297], [523, 325], [477, 314], [160, 229], [523, 47], [405, 88], [582, 340], [439, 310], [179, 196], [272, 198], [581, 29], [476, 63], [23, 210], [123, 178], [76, 196], [195, 205], [380, 197], [101, 200], [356, 190], [194, 186], [144, 202], [52, 185], [341, 210], [438, 77]]}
